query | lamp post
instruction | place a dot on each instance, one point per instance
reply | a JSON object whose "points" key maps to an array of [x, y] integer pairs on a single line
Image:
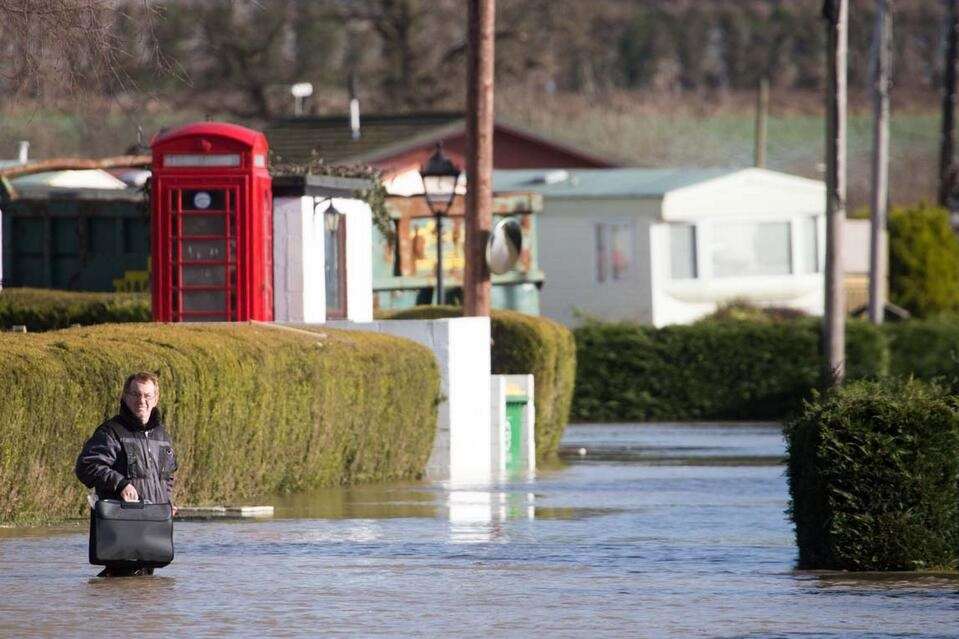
{"points": [[439, 188]]}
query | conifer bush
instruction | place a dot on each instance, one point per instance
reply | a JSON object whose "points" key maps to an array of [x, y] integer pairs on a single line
{"points": [[923, 261], [873, 471]]}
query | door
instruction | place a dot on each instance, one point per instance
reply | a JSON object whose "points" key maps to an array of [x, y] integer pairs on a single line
{"points": [[335, 268], [203, 252]]}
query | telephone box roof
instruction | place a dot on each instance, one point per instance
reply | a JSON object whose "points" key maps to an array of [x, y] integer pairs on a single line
{"points": [[235, 132]]}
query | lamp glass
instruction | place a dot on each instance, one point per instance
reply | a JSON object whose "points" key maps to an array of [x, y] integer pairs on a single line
{"points": [[440, 190]]}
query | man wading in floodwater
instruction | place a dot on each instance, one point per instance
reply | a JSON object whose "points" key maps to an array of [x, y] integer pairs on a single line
{"points": [[129, 456]]}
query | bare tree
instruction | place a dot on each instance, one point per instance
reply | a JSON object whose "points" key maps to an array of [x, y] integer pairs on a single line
{"points": [[52, 48]]}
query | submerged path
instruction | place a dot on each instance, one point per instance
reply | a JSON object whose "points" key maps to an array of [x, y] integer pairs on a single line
{"points": [[658, 531]]}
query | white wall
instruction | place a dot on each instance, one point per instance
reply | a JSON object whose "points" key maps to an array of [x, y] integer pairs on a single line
{"points": [[462, 448], [359, 258], [299, 283]]}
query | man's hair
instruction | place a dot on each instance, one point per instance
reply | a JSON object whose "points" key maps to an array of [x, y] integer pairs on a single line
{"points": [[142, 377]]}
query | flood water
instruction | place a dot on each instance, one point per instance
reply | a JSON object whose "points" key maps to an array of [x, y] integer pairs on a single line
{"points": [[658, 531]]}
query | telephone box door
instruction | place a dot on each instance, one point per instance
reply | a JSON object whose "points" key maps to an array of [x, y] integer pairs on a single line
{"points": [[203, 266]]}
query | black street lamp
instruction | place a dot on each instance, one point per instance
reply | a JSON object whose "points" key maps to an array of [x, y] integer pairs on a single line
{"points": [[439, 188]]}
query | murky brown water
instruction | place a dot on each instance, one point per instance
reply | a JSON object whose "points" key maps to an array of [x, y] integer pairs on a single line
{"points": [[659, 531]]}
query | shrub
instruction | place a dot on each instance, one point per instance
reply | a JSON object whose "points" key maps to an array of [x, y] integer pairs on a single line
{"points": [[926, 349], [711, 370], [873, 470], [44, 310], [923, 261], [525, 344], [252, 409]]}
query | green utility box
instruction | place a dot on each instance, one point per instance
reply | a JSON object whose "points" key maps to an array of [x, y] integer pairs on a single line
{"points": [[513, 423], [515, 415]]}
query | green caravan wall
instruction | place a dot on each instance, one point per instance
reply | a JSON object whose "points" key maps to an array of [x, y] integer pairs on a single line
{"points": [[76, 244]]}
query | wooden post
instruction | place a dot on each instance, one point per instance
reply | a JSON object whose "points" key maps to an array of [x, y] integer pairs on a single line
{"points": [[878, 251], [479, 156], [948, 105], [762, 113], [836, 13]]}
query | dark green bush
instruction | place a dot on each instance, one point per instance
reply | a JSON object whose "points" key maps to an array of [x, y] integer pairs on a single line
{"points": [[527, 344], [925, 349], [45, 310], [873, 471], [923, 261], [710, 370], [252, 409]]}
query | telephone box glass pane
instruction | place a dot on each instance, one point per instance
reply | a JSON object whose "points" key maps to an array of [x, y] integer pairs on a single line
{"points": [[204, 225], [204, 301], [208, 275], [204, 199], [194, 250]]}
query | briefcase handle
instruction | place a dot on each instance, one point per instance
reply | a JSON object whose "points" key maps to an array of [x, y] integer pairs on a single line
{"points": [[132, 504]]}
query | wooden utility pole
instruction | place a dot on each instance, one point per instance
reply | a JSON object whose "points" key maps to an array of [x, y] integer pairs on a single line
{"points": [[762, 114], [878, 251], [836, 13], [479, 156], [948, 105]]}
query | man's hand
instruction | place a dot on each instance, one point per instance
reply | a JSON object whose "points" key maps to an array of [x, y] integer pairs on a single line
{"points": [[129, 493]]}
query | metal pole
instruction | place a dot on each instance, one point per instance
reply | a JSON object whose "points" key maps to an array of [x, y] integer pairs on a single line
{"points": [[479, 156], [762, 111], [439, 258], [878, 255], [836, 13], [948, 105]]}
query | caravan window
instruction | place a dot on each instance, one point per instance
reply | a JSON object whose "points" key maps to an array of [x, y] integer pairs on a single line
{"points": [[742, 249], [614, 251]]}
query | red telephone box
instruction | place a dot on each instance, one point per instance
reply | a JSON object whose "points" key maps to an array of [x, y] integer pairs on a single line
{"points": [[212, 228]]}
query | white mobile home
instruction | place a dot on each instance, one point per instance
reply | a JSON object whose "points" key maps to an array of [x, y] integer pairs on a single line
{"points": [[667, 246]]}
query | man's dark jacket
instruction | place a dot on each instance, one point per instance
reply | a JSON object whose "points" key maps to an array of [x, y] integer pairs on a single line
{"points": [[123, 451]]}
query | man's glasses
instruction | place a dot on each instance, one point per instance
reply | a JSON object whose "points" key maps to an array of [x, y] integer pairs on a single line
{"points": [[139, 396]]}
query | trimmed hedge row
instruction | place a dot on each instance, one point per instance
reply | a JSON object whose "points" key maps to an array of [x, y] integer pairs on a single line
{"points": [[874, 478], [925, 349], [252, 409], [526, 344], [722, 369], [45, 309]]}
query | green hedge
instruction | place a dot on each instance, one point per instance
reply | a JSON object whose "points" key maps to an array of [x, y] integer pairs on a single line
{"points": [[925, 349], [527, 344], [873, 471], [44, 309], [722, 369], [252, 409]]}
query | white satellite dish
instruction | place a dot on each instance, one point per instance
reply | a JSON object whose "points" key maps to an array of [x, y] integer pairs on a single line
{"points": [[504, 246]]}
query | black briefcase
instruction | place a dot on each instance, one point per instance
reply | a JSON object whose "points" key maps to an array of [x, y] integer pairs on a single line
{"points": [[131, 533]]}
